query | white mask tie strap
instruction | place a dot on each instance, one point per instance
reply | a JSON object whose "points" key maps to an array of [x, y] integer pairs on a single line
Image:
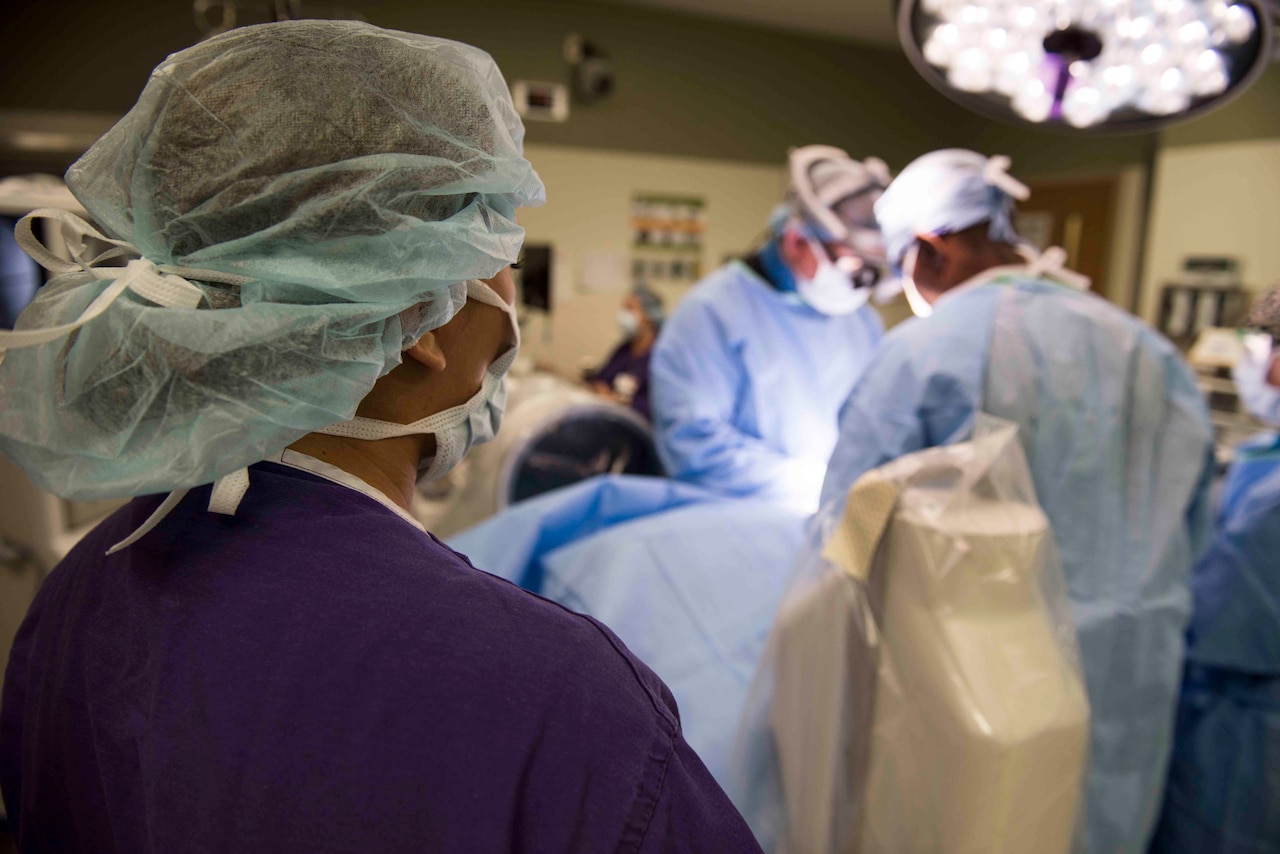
{"points": [[153, 520], [228, 491], [996, 174], [1052, 263], [165, 285]]}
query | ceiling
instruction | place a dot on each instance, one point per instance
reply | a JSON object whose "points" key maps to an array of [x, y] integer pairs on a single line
{"points": [[853, 20]]}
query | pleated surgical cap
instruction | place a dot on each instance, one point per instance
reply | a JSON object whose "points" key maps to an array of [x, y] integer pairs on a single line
{"points": [[349, 180]]}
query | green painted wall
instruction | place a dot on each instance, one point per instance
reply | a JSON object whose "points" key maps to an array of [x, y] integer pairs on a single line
{"points": [[85, 56], [702, 87], [1038, 153], [686, 85], [1254, 115]]}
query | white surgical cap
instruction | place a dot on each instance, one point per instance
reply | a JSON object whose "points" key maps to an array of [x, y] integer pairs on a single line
{"points": [[354, 177], [944, 192]]}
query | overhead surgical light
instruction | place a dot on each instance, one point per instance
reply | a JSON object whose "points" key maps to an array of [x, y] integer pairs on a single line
{"points": [[1080, 65]]}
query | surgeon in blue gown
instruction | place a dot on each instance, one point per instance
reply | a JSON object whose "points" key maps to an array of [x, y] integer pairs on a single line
{"points": [[1116, 433], [689, 580], [750, 371], [689, 572], [1223, 794]]}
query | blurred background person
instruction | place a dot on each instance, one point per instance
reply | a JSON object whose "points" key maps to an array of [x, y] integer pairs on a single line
{"points": [[689, 572], [1223, 793], [624, 377], [1115, 429], [750, 371]]}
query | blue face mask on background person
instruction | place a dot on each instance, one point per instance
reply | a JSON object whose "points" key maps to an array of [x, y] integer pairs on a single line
{"points": [[1250, 372]]}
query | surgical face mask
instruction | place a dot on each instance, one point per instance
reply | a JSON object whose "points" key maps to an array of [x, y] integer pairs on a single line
{"points": [[458, 429], [628, 322], [834, 289], [1251, 374], [920, 306]]}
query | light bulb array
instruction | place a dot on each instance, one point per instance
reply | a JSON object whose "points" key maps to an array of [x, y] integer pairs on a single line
{"points": [[1080, 61]]}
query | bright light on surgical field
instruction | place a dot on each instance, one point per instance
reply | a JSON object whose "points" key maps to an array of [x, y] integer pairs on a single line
{"points": [[1089, 64]]}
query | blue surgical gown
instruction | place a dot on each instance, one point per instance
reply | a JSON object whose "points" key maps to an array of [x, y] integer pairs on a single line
{"points": [[1119, 443], [689, 581], [747, 383], [1223, 794]]}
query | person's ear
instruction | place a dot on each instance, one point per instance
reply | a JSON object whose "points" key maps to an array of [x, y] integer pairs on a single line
{"points": [[426, 352], [791, 243], [933, 257], [797, 254]]}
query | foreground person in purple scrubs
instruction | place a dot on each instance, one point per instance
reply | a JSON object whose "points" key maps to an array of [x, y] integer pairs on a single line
{"points": [[319, 219]]}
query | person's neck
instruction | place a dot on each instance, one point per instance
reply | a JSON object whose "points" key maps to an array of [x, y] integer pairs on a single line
{"points": [[1004, 255], [643, 340], [388, 465], [986, 264], [772, 267]]}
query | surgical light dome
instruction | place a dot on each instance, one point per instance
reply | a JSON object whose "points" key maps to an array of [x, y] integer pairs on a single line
{"points": [[1082, 65]]}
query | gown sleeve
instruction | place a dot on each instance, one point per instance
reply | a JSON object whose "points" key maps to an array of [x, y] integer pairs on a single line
{"points": [[902, 404], [696, 385]]}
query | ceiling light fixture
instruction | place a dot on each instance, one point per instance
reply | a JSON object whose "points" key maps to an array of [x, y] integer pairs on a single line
{"points": [[1089, 65]]}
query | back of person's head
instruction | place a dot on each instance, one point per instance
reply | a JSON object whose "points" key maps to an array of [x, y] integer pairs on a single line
{"points": [[948, 192], [329, 188], [294, 140], [947, 218]]}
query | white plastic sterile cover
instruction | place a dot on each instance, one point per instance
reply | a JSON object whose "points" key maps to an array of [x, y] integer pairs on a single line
{"points": [[921, 689]]}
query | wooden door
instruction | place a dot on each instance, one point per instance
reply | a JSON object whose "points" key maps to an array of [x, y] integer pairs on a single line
{"points": [[1079, 216]]}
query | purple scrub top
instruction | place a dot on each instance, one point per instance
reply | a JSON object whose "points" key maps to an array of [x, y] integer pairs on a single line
{"points": [[315, 674], [623, 361]]}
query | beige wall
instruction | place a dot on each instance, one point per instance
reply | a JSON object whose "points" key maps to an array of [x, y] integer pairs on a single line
{"points": [[686, 85], [1126, 239], [1215, 199], [589, 197]]}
